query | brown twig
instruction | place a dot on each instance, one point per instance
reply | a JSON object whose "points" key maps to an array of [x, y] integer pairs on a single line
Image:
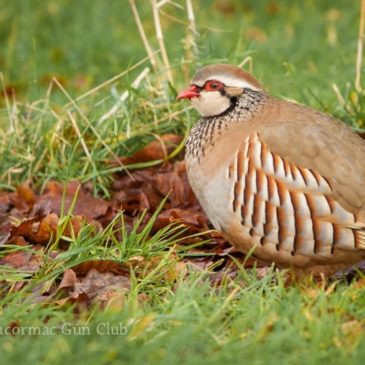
{"points": [[192, 26], [159, 36], [360, 41], [247, 61], [147, 46]]}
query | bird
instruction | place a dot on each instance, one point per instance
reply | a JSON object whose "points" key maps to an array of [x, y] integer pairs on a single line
{"points": [[280, 181]]}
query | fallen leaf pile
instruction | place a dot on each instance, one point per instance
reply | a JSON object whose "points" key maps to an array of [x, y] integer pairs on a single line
{"points": [[29, 218]]}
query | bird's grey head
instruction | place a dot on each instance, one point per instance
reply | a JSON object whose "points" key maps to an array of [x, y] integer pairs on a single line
{"points": [[215, 88]]}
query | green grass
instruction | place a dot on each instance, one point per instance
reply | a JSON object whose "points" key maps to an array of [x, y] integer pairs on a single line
{"points": [[298, 49], [255, 320]]}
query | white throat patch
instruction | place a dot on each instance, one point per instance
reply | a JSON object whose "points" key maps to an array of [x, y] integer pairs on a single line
{"points": [[210, 103]]}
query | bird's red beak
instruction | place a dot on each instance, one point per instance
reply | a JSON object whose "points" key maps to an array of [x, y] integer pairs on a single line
{"points": [[191, 92]]}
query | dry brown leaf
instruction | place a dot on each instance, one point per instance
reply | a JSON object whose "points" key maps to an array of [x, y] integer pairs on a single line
{"points": [[5, 202], [23, 261], [194, 220], [37, 231], [73, 228], [155, 150], [69, 279], [102, 266], [58, 195], [26, 193], [95, 286]]}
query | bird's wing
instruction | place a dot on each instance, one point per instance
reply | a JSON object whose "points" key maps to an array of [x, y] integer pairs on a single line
{"points": [[289, 205], [324, 145]]}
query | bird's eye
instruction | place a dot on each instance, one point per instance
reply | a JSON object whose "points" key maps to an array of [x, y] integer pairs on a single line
{"points": [[213, 86]]}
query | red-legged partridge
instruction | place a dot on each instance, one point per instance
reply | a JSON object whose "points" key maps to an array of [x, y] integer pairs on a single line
{"points": [[278, 179]]}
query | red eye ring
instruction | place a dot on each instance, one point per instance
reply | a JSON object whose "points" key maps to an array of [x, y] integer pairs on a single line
{"points": [[213, 85]]}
